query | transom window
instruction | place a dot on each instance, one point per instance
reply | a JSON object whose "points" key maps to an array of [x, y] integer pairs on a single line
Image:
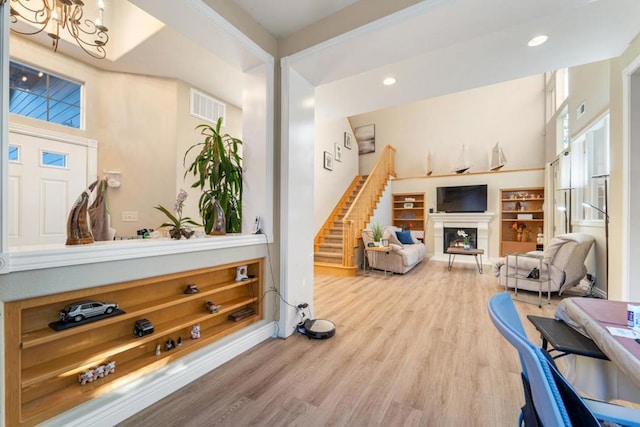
{"points": [[43, 96]]}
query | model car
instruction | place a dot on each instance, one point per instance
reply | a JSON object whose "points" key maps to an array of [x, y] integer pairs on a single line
{"points": [[143, 327], [78, 311]]}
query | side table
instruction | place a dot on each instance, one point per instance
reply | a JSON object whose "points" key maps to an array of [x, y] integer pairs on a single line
{"points": [[540, 279], [375, 250]]}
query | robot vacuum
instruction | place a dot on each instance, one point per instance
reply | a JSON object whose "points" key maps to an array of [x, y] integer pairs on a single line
{"points": [[318, 329]]}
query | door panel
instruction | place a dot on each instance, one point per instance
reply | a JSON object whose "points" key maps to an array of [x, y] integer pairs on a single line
{"points": [[41, 194]]}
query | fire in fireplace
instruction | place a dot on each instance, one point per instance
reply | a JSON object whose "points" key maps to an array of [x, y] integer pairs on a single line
{"points": [[452, 239]]}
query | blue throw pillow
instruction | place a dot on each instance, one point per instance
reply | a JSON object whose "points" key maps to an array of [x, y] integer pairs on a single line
{"points": [[404, 237]]}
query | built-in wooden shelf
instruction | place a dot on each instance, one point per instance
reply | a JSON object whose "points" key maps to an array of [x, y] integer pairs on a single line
{"points": [[522, 206], [43, 365]]}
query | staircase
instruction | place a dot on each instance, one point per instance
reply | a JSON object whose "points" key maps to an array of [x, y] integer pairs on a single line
{"points": [[338, 238]]}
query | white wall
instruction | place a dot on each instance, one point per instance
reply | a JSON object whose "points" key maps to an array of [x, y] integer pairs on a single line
{"points": [[382, 212], [296, 208], [511, 113], [331, 184]]}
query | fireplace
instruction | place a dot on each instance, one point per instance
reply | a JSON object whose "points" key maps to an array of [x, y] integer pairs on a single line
{"points": [[453, 239], [478, 222]]}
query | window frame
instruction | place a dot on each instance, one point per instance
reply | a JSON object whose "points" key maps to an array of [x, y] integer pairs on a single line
{"points": [[589, 159]]}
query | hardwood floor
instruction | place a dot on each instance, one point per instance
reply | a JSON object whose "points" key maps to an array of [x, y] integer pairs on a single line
{"points": [[417, 349]]}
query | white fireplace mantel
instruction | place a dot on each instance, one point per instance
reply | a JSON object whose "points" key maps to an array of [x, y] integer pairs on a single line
{"points": [[479, 221]]}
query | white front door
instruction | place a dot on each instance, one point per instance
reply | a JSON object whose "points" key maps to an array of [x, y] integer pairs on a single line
{"points": [[47, 173]]}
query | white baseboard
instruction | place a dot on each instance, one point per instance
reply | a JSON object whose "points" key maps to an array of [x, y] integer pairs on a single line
{"points": [[598, 293], [114, 407]]}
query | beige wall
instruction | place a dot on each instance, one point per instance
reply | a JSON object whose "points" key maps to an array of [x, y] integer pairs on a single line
{"points": [[511, 113], [331, 185], [589, 84], [188, 135], [616, 195], [143, 128]]}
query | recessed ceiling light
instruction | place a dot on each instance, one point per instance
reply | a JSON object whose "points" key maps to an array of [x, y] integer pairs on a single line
{"points": [[537, 40], [389, 81]]}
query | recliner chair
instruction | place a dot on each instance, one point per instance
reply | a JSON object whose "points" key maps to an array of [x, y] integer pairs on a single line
{"points": [[563, 264]]}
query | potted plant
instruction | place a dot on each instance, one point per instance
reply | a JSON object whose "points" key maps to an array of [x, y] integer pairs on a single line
{"points": [[217, 168], [179, 226], [377, 230]]}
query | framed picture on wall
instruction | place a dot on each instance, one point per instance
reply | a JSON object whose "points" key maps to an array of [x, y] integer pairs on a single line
{"points": [[328, 160], [347, 140], [366, 137], [338, 152]]}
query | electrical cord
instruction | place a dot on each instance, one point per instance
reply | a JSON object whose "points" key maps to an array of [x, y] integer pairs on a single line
{"points": [[276, 290]]}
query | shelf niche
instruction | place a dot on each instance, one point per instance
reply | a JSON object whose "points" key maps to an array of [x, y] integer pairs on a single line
{"points": [[46, 382]]}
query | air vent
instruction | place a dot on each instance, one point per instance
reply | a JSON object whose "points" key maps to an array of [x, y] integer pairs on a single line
{"points": [[207, 108]]}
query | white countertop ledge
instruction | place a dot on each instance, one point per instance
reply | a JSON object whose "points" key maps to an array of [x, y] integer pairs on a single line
{"points": [[48, 256]]}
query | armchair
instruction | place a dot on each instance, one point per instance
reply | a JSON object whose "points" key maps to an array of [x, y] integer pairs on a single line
{"points": [[563, 264]]}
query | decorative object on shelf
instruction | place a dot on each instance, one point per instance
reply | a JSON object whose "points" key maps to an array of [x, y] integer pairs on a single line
{"points": [[241, 273], [30, 17], [82, 310], [178, 224], [179, 342], [212, 307], [347, 140], [143, 327], [518, 206], [328, 161], [408, 205], [366, 138], [195, 332], [243, 313], [338, 152], [158, 352], [521, 230], [377, 230], [218, 170], [169, 344], [92, 374], [219, 221], [191, 288], [498, 159], [78, 224], [463, 164], [429, 164]]}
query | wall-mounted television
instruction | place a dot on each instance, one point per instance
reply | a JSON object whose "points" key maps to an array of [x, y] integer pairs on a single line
{"points": [[463, 198]]}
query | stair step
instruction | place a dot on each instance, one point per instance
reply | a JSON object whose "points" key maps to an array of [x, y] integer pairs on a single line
{"points": [[336, 240], [328, 257], [332, 248]]}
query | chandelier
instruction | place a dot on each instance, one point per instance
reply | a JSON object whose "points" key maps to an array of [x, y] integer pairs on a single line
{"points": [[52, 16]]}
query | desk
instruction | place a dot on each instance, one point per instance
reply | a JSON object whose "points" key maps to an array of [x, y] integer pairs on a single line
{"points": [[617, 379], [453, 251], [375, 250]]}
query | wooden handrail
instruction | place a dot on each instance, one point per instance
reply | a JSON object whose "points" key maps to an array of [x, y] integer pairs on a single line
{"points": [[364, 204], [335, 213]]}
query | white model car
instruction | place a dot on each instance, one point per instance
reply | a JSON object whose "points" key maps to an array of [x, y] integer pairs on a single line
{"points": [[78, 311]]}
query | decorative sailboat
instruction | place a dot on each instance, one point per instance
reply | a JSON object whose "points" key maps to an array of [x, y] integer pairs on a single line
{"points": [[429, 168], [463, 164], [498, 159]]}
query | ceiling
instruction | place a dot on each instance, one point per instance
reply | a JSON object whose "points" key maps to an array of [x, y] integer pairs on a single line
{"points": [[432, 47], [284, 17]]}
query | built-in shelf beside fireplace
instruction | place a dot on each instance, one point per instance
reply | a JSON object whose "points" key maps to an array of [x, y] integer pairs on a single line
{"points": [[478, 221]]}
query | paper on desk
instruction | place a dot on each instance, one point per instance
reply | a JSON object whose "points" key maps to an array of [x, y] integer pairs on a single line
{"points": [[622, 332]]}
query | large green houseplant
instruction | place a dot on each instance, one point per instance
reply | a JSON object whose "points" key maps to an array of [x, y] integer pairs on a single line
{"points": [[217, 168]]}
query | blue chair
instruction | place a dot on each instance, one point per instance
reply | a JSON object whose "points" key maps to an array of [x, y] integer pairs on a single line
{"points": [[549, 399]]}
